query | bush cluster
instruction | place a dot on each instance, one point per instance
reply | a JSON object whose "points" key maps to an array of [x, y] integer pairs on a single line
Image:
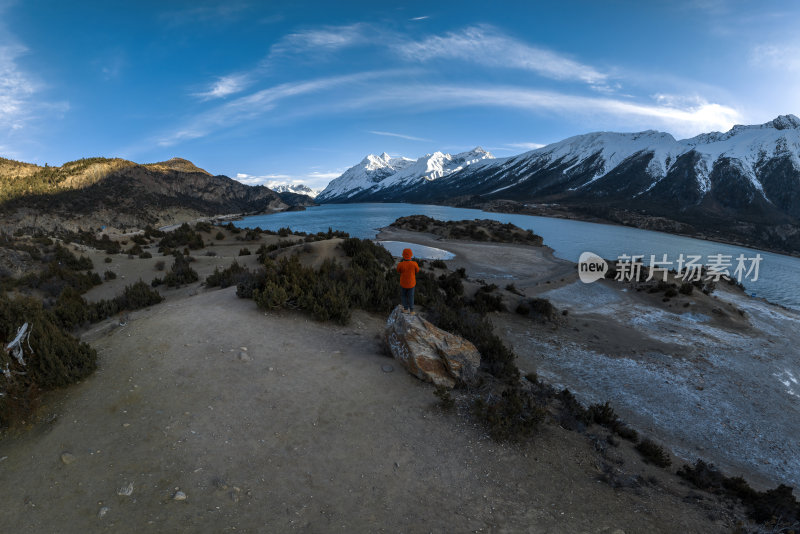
{"points": [[230, 276], [512, 415], [330, 292], [653, 453], [56, 359], [71, 310], [183, 236], [180, 273], [776, 506]]}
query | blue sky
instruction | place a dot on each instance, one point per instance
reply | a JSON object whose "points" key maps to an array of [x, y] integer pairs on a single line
{"points": [[300, 91]]}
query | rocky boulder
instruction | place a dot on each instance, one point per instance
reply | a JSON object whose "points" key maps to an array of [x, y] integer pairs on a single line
{"points": [[430, 353]]}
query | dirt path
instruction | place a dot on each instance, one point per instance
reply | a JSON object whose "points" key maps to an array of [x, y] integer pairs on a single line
{"points": [[302, 431]]}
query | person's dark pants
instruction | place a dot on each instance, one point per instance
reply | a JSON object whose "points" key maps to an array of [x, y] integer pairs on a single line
{"points": [[407, 298]]}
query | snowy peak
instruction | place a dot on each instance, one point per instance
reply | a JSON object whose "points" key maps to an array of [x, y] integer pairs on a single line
{"points": [[375, 173], [785, 122], [300, 189]]}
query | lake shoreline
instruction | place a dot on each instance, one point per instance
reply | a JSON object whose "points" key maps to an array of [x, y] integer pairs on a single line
{"points": [[568, 238]]}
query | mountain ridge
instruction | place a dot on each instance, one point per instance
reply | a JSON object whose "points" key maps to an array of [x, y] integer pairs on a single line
{"points": [[740, 186], [98, 192]]}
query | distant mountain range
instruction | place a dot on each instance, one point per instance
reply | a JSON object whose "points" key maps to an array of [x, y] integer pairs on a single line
{"points": [[96, 192], [740, 186], [297, 189]]}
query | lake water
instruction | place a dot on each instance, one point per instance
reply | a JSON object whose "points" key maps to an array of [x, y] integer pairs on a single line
{"points": [[420, 251], [778, 275]]}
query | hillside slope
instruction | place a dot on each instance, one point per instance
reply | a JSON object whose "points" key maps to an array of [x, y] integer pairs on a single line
{"points": [[115, 192]]}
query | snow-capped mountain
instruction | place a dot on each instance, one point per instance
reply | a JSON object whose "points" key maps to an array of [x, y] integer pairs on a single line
{"points": [[377, 174], [299, 189], [745, 181]]}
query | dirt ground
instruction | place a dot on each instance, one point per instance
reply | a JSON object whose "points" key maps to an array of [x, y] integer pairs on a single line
{"points": [[209, 415]]}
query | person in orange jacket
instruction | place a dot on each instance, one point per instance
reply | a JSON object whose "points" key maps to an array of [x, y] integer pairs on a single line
{"points": [[408, 279]]}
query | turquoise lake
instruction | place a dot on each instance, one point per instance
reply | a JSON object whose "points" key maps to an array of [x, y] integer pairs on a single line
{"points": [[778, 275]]}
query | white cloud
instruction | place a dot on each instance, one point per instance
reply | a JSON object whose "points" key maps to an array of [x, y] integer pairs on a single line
{"points": [[526, 146], [329, 38], [225, 86], [16, 89], [255, 105], [420, 18], [487, 46], [401, 136], [688, 120]]}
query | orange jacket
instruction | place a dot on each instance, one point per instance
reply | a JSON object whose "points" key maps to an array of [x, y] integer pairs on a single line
{"points": [[408, 269]]}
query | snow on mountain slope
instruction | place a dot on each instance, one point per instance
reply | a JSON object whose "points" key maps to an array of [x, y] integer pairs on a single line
{"points": [[299, 189], [382, 172], [366, 174], [581, 161], [750, 145], [433, 166]]}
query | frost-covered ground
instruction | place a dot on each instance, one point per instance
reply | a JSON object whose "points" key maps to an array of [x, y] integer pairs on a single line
{"points": [[724, 394]]}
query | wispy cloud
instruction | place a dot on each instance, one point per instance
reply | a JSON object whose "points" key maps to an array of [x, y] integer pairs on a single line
{"points": [[16, 89], [526, 146], [328, 38], [250, 107], [225, 86], [420, 18], [776, 56], [401, 136], [488, 46], [700, 116]]}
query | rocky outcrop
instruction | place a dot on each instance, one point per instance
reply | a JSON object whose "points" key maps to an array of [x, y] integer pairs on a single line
{"points": [[430, 353]]}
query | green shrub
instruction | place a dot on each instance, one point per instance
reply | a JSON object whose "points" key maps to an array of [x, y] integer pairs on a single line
{"points": [[513, 415], [108, 260], [686, 288], [244, 251], [484, 302], [220, 236], [180, 273], [109, 275], [439, 264], [227, 277], [56, 277], [777, 507], [183, 236], [57, 358], [68, 260], [653, 453]]}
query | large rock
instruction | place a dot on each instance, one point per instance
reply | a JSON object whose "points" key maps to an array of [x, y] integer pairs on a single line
{"points": [[430, 353]]}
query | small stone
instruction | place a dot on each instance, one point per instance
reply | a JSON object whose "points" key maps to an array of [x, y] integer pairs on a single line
{"points": [[125, 425], [244, 357], [386, 368], [179, 496], [67, 458], [103, 511], [126, 491], [243, 348]]}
